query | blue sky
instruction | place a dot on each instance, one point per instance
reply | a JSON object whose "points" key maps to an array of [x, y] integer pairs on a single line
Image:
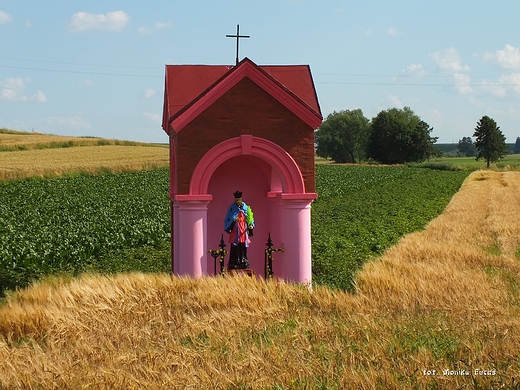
{"points": [[97, 67]]}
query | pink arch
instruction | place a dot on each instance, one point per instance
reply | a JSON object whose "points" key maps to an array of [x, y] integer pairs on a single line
{"points": [[275, 155]]}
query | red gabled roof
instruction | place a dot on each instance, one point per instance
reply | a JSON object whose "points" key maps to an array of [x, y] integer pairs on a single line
{"points": [[189, 89]]}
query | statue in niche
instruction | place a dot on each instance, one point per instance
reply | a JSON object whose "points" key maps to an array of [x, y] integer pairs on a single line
{"points": [[239, 223]]}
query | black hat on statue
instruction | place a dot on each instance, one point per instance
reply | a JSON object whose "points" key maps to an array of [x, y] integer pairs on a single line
{"points": [[237, 194]]}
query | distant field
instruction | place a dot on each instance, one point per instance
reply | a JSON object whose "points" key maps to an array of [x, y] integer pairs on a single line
{"points": [[22, 141], [452, 148], [11, 140], [26, 154], [510, 162]]}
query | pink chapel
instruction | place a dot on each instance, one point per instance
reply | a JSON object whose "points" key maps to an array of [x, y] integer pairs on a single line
{"points": [[244, 128]]}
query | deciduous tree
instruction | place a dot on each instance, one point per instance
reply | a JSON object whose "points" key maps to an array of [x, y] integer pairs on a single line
{"points": [[399, 136], [343, 136], [490, 141], [467, 147]]}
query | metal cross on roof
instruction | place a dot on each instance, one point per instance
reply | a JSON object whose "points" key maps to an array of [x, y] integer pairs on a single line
{"points": [[237, 36]]}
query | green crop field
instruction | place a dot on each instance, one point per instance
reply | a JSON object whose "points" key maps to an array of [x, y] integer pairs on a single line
{"points": [[77, 224], [362, 210], [120, 222]]}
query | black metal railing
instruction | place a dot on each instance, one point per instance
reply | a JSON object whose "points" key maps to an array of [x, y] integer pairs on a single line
{"points": [[221, 254], [268, 258]]}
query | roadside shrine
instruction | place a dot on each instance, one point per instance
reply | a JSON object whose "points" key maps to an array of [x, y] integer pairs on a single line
{"points": [[248, 128]]}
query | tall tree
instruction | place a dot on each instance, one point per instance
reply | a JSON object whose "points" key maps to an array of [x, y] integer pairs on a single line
{"points": [[399, 136], [343, 136], [467, 147], [490, 141], [517, 146]]}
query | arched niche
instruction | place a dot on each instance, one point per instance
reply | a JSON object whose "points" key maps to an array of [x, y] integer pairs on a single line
{"points": [[272, 184]]}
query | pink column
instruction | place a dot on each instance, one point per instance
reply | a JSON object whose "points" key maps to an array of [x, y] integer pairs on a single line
{"points": [[175, 237], [296, 225], [190, 229]]}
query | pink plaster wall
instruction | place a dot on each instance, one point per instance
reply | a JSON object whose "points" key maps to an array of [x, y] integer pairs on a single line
{"points": [[252, 176]]}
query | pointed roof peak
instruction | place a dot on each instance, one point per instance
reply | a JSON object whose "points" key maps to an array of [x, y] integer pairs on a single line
{"points": [[192, 88]]}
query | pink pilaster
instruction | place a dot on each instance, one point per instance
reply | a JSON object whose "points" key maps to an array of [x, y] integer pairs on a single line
{"points": [[296, 226], [190, 235]]}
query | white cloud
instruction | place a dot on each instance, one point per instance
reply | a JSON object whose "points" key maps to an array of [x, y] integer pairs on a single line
{"points": [[509, 58], [494, 88], [156, 26], [509, 82], [395, 101], [449, 60], [506, 84], [4, 17], [69, 122], [148, 93], [156, 118], [160, 25], [13, 90], [391, 31], [414, 70], [514, 113], [112, 21], [40, 97], [433, 117], [87, 83], [463, 83]]}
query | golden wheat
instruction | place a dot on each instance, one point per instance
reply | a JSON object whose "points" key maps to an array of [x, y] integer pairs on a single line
{"points": [[35, 140], [446, 298], [57, 161]]}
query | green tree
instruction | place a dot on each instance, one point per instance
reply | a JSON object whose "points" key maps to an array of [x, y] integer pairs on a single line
{"points": [[517, 146], [343, 136], [399, 136], [467, 147], [490, 141]]}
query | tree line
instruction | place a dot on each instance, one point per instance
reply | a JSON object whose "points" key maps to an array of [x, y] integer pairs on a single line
{"points": [[466, 147], [398, 136]]}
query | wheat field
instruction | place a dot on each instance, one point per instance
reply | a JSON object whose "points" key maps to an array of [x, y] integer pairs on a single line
{"points": [[91, 159], [31, 154], [438, 310], [24, 141]]}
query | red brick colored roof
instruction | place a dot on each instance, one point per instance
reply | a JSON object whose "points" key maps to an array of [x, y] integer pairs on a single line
{"points": [[190, 88]]}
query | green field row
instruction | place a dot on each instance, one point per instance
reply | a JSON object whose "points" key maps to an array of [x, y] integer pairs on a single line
{"points": [[362, 210], [71, 225], [120, 222]]}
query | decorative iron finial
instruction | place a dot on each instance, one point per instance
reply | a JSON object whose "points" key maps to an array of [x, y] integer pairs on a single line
{"points": [[269, 241], [222, 245]]}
